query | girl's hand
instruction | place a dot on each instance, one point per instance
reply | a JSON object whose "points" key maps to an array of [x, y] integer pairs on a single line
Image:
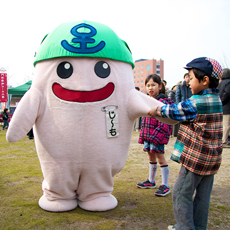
{"points": [[151, 113]]}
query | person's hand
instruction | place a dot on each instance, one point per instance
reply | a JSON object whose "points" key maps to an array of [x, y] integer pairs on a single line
{"points": [[151, 112]]}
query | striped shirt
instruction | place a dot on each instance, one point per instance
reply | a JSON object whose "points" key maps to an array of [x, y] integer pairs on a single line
{"points": [[199, 138]]}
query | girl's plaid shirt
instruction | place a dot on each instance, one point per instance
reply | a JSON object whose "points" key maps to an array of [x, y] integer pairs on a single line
{"points": [[200, 136], [155, 131]]}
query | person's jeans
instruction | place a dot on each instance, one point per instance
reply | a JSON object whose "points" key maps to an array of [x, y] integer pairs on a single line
{"points": [[191, 213], [5, 123], [150, 147]]}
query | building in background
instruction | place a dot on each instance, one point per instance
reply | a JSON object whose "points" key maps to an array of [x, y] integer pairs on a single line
{"points": [[143, 68]]}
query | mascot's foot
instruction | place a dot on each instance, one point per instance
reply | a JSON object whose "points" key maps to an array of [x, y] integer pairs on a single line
{"points": [[99, 204], [57, 205]]}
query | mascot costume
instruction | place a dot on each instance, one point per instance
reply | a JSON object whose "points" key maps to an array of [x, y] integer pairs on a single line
{"points": [[82, 104]]}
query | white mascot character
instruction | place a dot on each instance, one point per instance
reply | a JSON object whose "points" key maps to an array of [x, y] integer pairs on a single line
{"points": [[82, 104]]}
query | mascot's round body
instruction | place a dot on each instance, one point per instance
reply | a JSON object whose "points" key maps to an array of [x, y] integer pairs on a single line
{"points": [[82, 104]]}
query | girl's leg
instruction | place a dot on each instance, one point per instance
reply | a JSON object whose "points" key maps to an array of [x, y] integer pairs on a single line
{"points": [[150, 183], [152, 167], [164, 188], [165, 175], [152, 157], [164, 168], [161, 159], [152, 171]]}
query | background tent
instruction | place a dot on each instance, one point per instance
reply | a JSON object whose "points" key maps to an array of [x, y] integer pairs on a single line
{"points": [[18, 91], [21, 89]]}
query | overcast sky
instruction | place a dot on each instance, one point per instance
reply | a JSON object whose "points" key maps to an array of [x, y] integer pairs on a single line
{"points": [[176, 31]]}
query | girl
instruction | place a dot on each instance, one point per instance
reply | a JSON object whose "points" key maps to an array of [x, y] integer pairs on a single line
{"points": [[154, 135]]}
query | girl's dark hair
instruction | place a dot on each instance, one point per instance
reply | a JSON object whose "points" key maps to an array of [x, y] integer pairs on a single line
{"points": [[162, 88], [5, 109], [156, 79], [213, 82]]}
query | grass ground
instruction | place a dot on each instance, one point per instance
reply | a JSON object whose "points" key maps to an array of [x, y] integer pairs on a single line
{"points": [[20, 190]]}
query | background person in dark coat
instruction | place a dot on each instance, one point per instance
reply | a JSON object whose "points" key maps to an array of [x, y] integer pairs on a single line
{"points": [[5, 119], [172, 93], [172, 96], [224, 88], [183, 91]]}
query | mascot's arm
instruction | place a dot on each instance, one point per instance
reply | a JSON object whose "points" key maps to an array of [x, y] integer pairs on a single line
{"points": [[24, 116], [140, 104]]}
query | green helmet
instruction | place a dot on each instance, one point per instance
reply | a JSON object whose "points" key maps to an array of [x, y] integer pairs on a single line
{"points": [[83, 39]]}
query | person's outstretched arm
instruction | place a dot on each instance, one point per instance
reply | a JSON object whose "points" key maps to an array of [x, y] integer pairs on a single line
{"points": [[184, 111]]}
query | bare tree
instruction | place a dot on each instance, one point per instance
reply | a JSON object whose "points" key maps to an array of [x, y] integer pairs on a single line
{"points": [[225, 63]]}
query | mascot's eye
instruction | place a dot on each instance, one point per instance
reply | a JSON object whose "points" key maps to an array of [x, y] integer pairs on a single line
{"points": [[102, 69], [64, 70]]}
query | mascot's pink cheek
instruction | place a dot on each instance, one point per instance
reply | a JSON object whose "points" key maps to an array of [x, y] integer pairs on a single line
{"points": [[83, 96]]}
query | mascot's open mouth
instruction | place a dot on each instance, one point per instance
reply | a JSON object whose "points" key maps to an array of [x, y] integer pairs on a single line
{"points": [[83, 96]]}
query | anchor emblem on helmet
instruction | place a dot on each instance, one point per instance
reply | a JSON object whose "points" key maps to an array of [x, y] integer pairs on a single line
{"points": [[83, 39]]}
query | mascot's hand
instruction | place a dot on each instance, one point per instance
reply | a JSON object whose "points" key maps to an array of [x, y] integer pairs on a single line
{"points": [[24, 117]]}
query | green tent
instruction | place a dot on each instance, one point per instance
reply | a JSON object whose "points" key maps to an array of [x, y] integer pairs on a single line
{"points": [[20, 90]]}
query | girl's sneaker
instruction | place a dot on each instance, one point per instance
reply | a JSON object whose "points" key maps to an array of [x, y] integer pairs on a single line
{"points": [[146, 184], [163, 190]]}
